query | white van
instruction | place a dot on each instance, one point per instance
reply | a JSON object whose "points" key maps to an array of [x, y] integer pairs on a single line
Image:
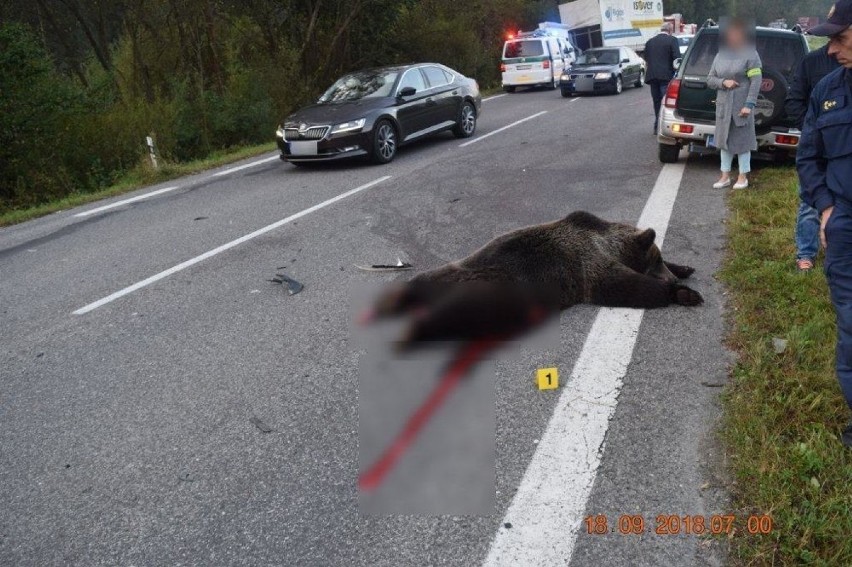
{"points": [[535, 60]]}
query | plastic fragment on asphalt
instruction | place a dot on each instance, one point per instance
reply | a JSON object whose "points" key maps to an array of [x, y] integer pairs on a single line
{"points": [[260, 425], [398, 267], [293, 287]]}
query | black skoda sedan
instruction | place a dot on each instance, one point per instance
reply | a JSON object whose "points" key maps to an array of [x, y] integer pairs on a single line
{"points": [[373, 112]]}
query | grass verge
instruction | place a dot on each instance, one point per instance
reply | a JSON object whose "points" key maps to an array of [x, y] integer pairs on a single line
{"points": [[134, 179], [783, 411]]}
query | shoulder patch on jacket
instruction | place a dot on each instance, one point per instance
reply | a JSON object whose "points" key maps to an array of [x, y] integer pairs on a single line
{"points": [[833, 102]]}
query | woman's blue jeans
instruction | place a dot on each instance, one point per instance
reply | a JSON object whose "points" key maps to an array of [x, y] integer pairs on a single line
{"points": [[743, 161]]}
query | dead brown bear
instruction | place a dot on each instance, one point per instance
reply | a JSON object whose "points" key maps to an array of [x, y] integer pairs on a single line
{"points": [[519, 279]]}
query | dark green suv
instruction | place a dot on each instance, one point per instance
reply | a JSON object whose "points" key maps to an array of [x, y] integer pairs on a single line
{"points": [[689, 108]]}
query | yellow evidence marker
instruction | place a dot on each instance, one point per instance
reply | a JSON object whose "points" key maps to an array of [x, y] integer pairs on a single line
{"points": [[547, 378]]}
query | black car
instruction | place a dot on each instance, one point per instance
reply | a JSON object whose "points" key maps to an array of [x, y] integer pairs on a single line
{"points": [[372, 112], [688, 116], [603, 70]]}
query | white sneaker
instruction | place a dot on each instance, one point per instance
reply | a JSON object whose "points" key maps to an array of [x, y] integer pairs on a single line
{"points": [[741, 185], [722, 184]]}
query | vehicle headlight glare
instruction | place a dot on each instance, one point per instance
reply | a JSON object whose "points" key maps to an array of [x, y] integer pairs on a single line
{"points": [[603, 76], [349, 126], [280, 132]]}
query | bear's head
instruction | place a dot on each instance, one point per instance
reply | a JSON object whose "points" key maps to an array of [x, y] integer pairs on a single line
{"points": [[645, 257]]}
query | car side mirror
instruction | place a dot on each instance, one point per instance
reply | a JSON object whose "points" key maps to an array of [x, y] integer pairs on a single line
{"points": [[569, 50], [677, 63], [407, 91]]}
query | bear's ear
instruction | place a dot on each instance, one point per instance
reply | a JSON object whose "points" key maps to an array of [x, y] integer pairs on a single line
{"points": [[646, 238]]}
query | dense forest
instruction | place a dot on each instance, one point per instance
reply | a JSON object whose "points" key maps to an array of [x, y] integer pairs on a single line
{"points": [[82, 82]]}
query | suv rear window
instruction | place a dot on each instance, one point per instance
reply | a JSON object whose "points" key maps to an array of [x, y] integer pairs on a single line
{"points": [[526, 48], [780, 54]]}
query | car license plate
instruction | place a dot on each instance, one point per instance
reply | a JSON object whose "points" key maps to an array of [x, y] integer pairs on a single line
{"points": [[524, 79], [711, 141], [523, 67], [303, 148]]}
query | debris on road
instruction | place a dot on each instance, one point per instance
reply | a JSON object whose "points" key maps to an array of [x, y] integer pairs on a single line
{"points": [[293, 287], [187, 477], [200, 218], [260, 425], [398, 267]]}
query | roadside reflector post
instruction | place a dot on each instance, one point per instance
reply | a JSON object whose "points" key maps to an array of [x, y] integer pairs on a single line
{"points": [[152, 151]]}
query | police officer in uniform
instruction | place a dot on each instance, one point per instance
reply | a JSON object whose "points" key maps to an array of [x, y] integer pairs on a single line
{"points": [[824, 162]]}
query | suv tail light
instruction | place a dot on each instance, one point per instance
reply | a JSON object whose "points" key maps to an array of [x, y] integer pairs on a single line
{"points": [[788, 140], [672, 93], [546, 64], [502, 67]]}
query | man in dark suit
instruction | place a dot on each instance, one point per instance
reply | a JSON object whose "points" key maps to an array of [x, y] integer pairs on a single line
{"points": [[660, 54]]}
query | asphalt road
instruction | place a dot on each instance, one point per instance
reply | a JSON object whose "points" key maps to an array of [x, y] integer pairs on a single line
{"points": [[126, 432]]}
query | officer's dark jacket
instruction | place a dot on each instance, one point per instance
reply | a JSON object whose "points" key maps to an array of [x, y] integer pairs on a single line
{"points": [[660, 54], [812, 68], [824, 157]]}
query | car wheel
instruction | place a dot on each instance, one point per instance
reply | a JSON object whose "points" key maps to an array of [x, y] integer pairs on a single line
{"points": [[566, 93], [669, 153], [384, 142], [619, 85], [466, 125], [509, 89], [641, 82]]}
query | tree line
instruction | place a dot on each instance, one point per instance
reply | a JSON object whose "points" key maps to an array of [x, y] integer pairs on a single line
{"points": [[83, 82]]}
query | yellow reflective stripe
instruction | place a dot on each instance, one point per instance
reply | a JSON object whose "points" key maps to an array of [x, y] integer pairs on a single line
{"points": [[753, 72]]}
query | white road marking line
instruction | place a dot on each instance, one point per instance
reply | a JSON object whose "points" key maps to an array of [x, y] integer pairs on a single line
{"points": [[126, 201], [506, 127], [493, 97], [547, 510], [245, 166], [575, 99], [191, 262]]}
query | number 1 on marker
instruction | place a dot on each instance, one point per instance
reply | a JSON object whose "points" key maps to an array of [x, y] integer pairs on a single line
{"points": [[547, 378]]}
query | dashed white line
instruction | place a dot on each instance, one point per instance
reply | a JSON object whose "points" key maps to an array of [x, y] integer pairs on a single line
{"points": [[245, 166], [493, 97], [546, 511], [506, 127], [191, 262], [126, 201]]}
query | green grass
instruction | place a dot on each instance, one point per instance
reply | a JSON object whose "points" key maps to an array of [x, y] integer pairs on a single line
{"points": [[783, 411], [815, 42], [134, 179]]}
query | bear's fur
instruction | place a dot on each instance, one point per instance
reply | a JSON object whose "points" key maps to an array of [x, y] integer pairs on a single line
{"points": [[515, 281]]}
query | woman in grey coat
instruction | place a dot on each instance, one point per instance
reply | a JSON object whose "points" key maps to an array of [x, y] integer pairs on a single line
{"points": [[737, 77]]}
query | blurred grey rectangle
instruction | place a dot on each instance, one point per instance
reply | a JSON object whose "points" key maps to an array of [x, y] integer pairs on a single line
{"points": [[449, 467]]}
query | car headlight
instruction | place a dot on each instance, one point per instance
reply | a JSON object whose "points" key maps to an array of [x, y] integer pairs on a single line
{"points": [[566, 77], [280, 132], [349, 126], [603, 76]]}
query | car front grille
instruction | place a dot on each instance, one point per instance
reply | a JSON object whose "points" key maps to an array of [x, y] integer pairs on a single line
{"points": [[309, 133], [584, 76]]}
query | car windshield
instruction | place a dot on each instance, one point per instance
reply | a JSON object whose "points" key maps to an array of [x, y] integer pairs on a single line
{"points": [[595, 57], [780, 54], [364, 84], [528, 48]]}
